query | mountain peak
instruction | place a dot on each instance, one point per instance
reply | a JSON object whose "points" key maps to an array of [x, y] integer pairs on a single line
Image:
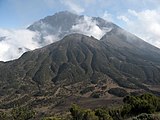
{"points": [[64, 13], [63, 23], [77, 36]]}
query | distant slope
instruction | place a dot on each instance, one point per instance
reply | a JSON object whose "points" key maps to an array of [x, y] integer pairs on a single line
{"points": [[135, 56]]}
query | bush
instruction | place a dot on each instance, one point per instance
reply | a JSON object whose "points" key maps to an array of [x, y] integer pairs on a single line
{"points": [[90, 115], [97, 94], [3, 116], [153, 100], [145, 103], [126, 109], [103, 114], [118, 92], [144, 116], [81, 114], [116, 114], [51, 118], [22, 113], [76, 112]]}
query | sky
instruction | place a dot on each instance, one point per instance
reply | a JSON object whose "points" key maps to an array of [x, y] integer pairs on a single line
{"points": [[140, 17], [21, 13]]}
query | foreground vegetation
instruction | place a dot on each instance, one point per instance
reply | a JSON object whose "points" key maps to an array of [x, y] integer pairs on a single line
{"points": [[144, 107]]}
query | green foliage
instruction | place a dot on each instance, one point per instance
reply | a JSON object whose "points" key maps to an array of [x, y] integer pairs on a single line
{"points": [[22, 113], [146, 103], [76, 112], [15, 102], [133, 105], [51, 118], [115, 113], [103, 114], [153, 100], [90, 115], [82, 114], [126, 110], [3, 116], [144, 116]]}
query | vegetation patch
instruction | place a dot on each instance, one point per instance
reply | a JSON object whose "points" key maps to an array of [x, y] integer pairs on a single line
{"points": [[97, 94], [118, 92], [87, 89]]}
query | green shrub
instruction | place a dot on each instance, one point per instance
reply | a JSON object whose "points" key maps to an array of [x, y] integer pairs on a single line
{"points": [[90, 115], [116, 114], [152, 99], [144, 116], [118, 92], [51, 118], [103, 114], [82, 114], [76, 112], [3, 116], [145, 103], [126, 109], [22, 113]]}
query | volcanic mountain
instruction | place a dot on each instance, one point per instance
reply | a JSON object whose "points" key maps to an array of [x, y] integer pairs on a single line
{"points": [[78, 69]]}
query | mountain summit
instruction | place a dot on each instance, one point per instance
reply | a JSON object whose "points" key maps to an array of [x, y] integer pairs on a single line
{"points": [[63, 23]]}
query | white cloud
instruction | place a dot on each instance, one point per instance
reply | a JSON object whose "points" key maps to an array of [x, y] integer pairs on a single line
{"points": [[50, 39], [71, 4], [13, 43], [89, 27], [124, 18], [107, 16], [145, 24]]}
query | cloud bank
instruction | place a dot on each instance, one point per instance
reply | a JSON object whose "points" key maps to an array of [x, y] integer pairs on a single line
{"points": [[145, 24], [14, 43], [89, 27]]}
